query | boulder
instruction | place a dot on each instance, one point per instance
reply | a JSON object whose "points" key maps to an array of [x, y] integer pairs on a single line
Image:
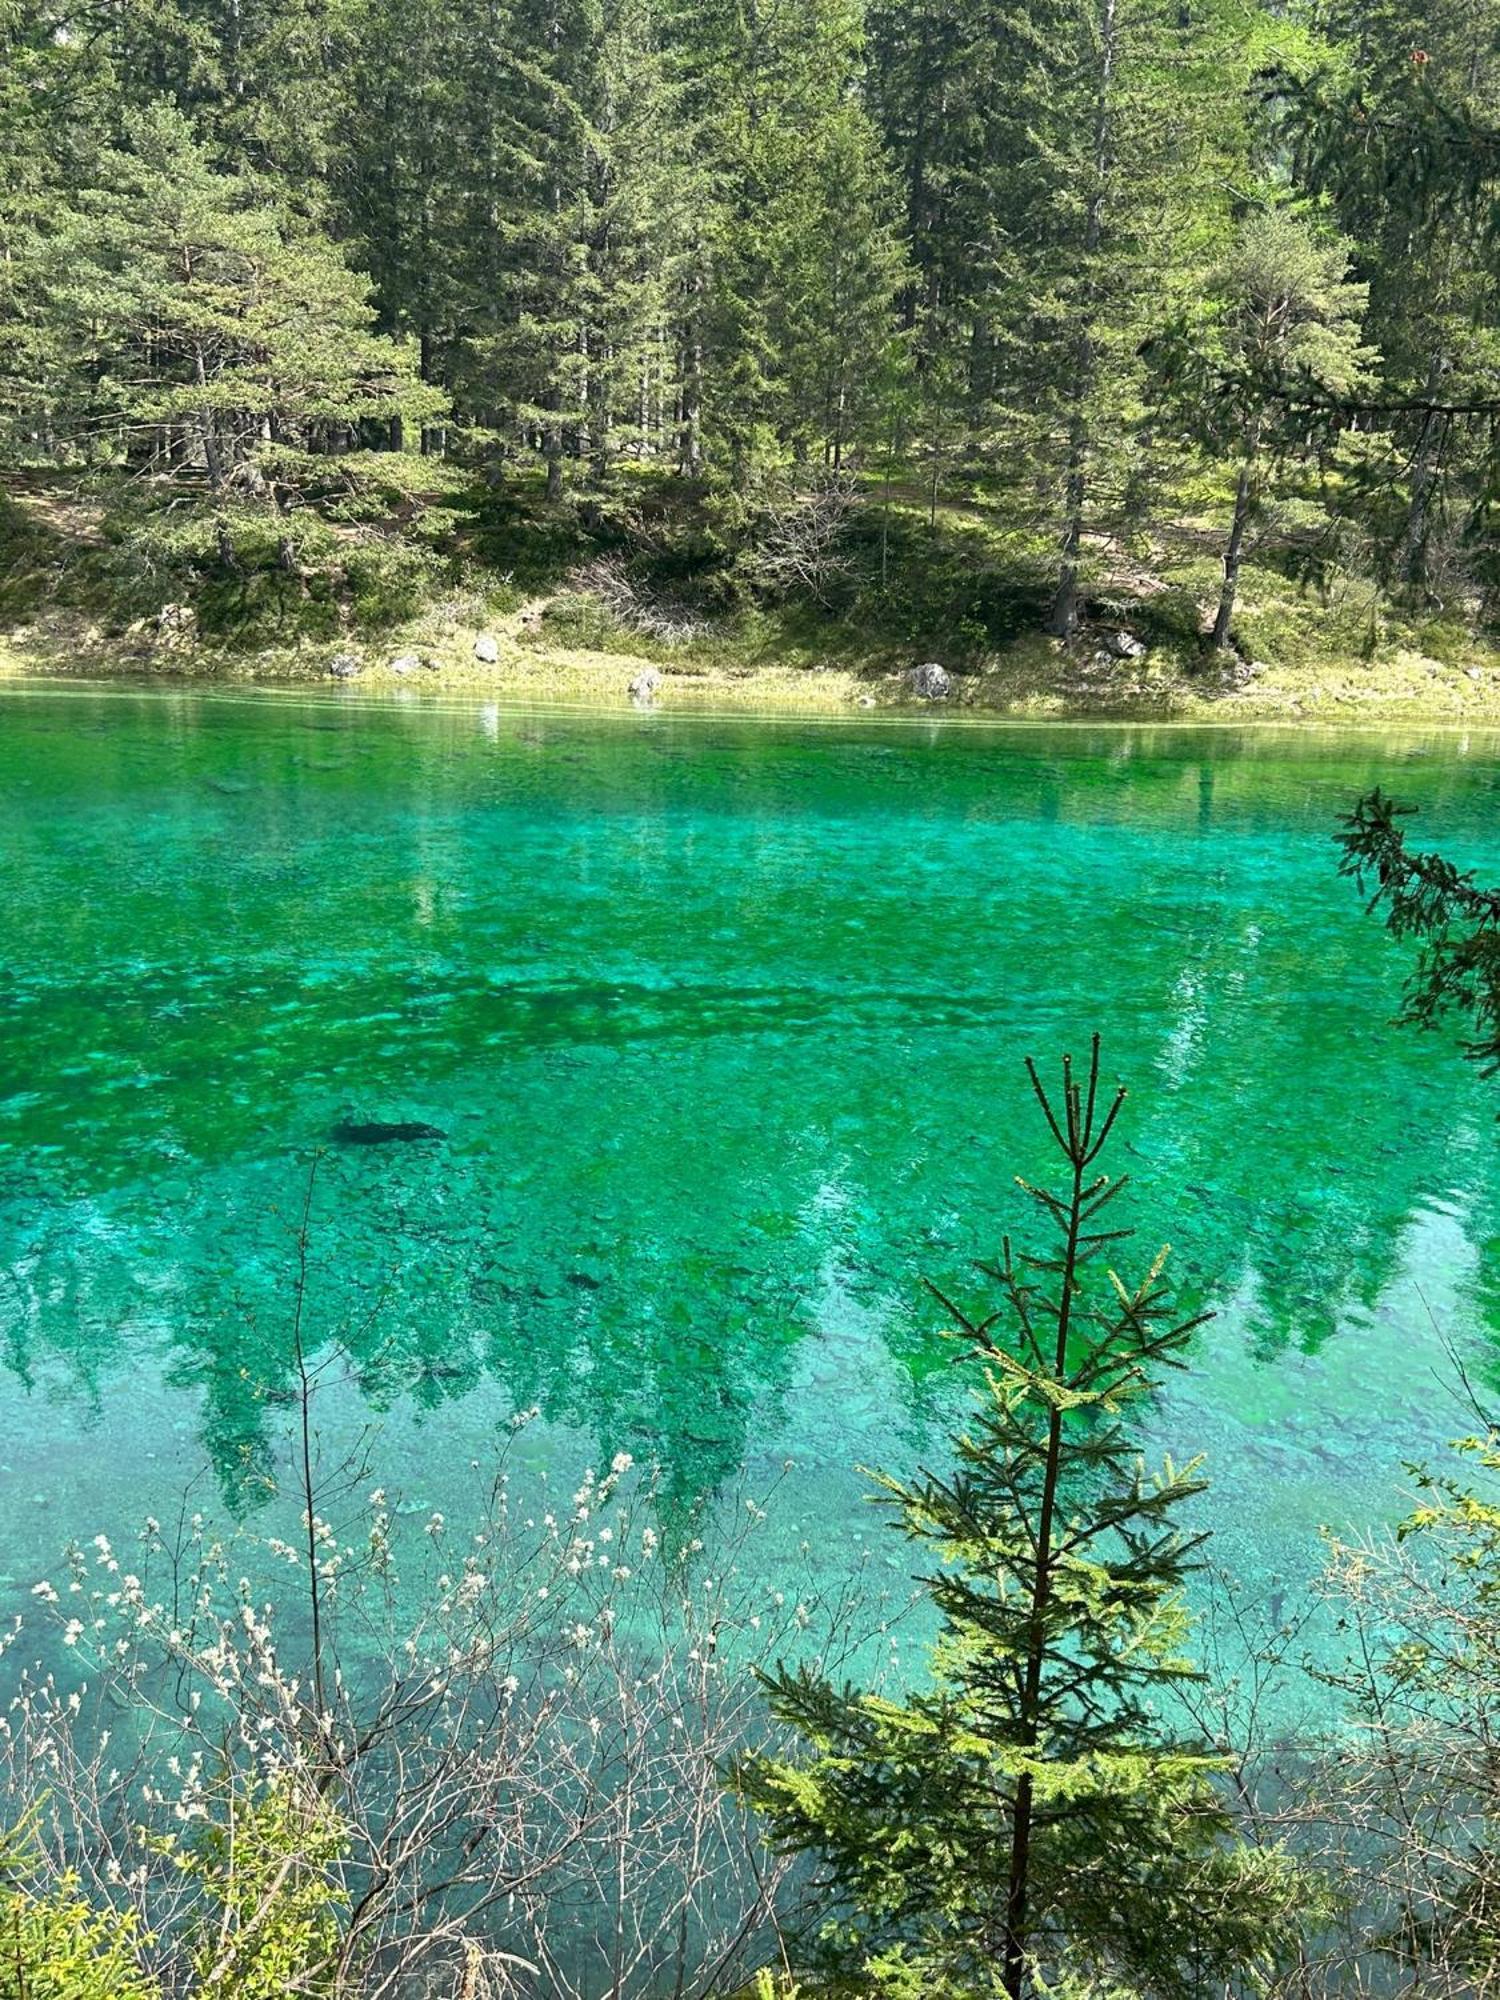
{"points": [[1125, 646], [405, 663], [643, 688], [344, 667], [486, 649], [176, 625], [864, 701], [931, 682]]}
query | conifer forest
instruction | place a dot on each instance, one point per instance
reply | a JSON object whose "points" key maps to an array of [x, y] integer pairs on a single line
{"points": [[771, 331]]}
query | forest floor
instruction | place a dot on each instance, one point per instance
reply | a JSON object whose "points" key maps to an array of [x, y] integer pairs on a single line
{"points": [[961, 599]]}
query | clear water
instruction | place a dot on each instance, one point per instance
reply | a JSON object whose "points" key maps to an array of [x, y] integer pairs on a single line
{"points": [[724, 1022]]}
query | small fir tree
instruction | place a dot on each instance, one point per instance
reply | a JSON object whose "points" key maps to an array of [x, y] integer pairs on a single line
{"points": [[1030, 1823]]}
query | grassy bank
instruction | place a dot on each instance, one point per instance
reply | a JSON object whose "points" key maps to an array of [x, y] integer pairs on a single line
{"points": [[427, 583], [1033, 679]]}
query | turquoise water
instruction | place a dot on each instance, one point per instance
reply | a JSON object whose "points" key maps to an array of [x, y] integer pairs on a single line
{"points": [[723, 1021]]}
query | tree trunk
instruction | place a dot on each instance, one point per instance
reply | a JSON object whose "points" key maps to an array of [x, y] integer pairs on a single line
{"points": [[207, 430], [1063, 621], [1411, 556], [552, 445], [426, 352], [1234, 548], [600, 414]]}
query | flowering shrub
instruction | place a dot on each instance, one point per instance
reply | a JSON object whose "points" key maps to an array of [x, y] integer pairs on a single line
{"points": [[403, 1757]]}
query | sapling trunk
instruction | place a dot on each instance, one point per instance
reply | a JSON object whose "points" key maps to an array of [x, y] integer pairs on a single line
{"points": [[1078, 1140], [305, 1465]]}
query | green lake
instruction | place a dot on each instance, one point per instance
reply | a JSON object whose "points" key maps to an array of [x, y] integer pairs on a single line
{"points": [[723, 1020]]}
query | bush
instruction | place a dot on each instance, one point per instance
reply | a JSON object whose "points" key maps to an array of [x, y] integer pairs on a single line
{"points": [[54, 1945], [578, 618], [502, 1744], [254, 576]]}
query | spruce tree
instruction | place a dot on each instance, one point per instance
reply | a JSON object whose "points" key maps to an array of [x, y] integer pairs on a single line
{"points": [[55, 100], [1036, 1820], [1123, 187], [417, 161], [805, 260], [569, 336], [1398, 128]]}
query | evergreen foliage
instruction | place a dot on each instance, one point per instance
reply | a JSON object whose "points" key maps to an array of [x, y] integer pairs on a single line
{"points": [[216, 325], [1035, 1823], [1282, 318], [1429, 898], [649, 272]]}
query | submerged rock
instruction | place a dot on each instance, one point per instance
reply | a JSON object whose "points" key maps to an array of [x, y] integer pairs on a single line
{"points": [[486, 649], [377, 1132], [344, 667], [931, 682]]}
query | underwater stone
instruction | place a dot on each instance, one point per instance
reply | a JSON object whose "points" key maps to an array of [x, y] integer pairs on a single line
{"points": [[377, 1132]]}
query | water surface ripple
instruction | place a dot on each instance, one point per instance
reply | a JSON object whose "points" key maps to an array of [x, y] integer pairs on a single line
{"points": [[723, 1021]]}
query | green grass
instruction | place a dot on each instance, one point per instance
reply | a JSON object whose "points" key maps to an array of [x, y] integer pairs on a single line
{"points": [[410, 555]]}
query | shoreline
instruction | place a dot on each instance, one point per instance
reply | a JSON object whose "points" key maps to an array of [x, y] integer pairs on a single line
{"points": [[1027, 690]]}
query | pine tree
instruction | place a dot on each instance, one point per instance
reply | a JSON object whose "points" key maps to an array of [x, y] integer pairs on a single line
{"points": [[252, 76], [224, 332], [1031, 1822], [55, 94], [1283, 328], [417, 161], [568, 336], [943, 78], [1121, 196]]}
